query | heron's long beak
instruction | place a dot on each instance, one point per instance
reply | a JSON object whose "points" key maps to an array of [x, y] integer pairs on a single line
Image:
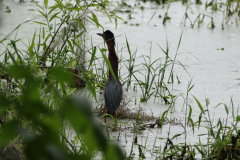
{"points": [[100, 34]]}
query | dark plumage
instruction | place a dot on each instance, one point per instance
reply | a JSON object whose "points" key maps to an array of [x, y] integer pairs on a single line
{"points": [[113, 89], [113, 96], [107, 36]]}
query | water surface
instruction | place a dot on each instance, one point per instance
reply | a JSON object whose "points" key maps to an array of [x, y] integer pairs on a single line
{"points": [[214, 71]]}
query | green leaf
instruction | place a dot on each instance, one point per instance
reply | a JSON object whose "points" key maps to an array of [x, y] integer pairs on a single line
{"points": [[81, 24], [8, 132], [115, 23], [199, 105], [193, 125], [62, 75], [207, 102], [15, 48], [95, 20], [190, 113], [152, 17], [43, 33], [107, 15], [47, 38], [60, 3], [176, 135], [120, 18], [44, 15], [30, 49], [109, 65], [190, 88], [19, 71], [163, 116], [46, 3], [235, 128], [199, 120], [93, 56], [90, 85], [40, 23], [226, 108], [129, 51], [70, 45], [238, 118], [12, 57], [100, 85], [62, 87], [52, 8], [200, 150], [103, 50], [53, 16], [79, 35], [39, 6]]}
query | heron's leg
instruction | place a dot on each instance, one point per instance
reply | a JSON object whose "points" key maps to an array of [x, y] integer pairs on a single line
{"points": [[105, 115]]}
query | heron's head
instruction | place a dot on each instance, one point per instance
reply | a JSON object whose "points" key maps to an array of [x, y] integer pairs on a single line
{"points": [[107, 36]]}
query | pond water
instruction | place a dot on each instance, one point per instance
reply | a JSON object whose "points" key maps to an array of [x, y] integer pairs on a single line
{"points": [[214, 72], [211, 57]]}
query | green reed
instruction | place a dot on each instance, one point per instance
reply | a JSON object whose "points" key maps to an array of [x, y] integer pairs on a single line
{"points": [[131, 65], [38, 102], [149, 77]]}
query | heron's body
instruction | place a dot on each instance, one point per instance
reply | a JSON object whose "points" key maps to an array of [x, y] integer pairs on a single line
{"points": [[113, 89], [113, 96]]}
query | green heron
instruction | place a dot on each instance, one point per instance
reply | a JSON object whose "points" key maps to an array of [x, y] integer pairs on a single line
{"points": [[113, 89]]}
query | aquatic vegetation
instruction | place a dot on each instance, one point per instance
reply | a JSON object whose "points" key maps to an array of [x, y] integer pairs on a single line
{"points": [[37, 102], [199, 19], [38, 105], [130, 66], [229, 9]]}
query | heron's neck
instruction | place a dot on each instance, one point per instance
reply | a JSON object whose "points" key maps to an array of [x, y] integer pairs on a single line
{"points": [[112, 56]]}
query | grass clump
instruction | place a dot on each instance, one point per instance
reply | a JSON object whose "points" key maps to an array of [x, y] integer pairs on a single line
{"points": [[38, 104], [37, 98]]}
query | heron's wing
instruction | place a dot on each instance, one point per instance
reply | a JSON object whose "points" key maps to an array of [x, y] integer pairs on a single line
{"points": [[113, 96]]}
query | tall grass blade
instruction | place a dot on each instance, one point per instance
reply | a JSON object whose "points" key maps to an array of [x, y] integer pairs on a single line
{"points": [[199, 105], [109, 65], [12, 57], [171, 72], [93, 56], [90, 85], [151, 17], [16, 50], [6, 37], [30, 49], [226, 108]]}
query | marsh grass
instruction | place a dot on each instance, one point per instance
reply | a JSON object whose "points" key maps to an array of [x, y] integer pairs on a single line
{"points": [[199, 20], [37, 102], [124, 112], [130, 66], [230, 11], [153, 72], [210, 149], [166, 16], [38, 99], [149, 76]]}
